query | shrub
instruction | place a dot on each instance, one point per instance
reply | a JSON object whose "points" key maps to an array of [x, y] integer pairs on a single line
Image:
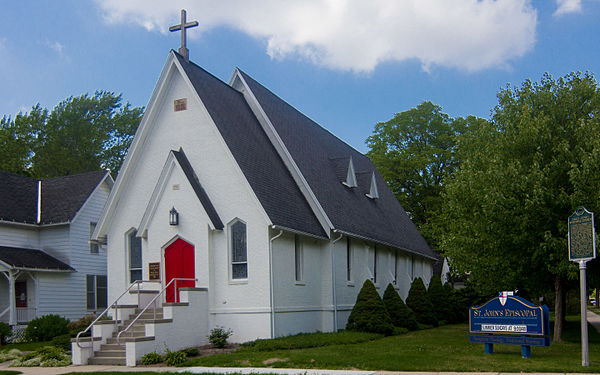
{"points": [[47, 356], [400, 314], [453, 307], [62, 341], [400, 331], [419, 303], [151, 358], [80, 324], [191, 352], [218, 336], [174, 358], [5, 332], [369, 313], [46, 327], [10, 355], [439, 299]]}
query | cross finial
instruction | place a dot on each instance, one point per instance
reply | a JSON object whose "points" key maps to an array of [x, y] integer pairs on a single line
{"points": [[183, 51]]}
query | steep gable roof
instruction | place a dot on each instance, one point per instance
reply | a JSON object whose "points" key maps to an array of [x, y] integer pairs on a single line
{"points": [[62, 197], [259, 161], [315, 151]]}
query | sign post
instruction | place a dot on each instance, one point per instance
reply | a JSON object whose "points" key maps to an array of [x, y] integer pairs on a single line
{"points": [[582, 248]]}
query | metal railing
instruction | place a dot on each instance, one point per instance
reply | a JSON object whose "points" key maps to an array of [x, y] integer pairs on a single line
{"points": [[116, 307], [152, 302]]}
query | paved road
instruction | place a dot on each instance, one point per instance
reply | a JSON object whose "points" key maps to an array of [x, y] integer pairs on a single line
{"points": [[592, 318]]}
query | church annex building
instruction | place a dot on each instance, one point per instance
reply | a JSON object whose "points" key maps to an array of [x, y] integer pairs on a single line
{"points": [[269, 223]]}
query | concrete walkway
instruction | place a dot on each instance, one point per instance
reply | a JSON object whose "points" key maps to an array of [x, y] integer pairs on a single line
{"points": [[592, 318]]}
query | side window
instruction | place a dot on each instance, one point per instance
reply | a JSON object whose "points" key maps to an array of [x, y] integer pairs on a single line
{"points": [[348, 260], [90, 282], [239, 251], [135, 257], [96, 295], [93, 246], [299, 258]]}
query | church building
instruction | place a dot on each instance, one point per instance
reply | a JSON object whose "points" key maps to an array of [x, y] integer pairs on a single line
{"points": [[233, 209]]}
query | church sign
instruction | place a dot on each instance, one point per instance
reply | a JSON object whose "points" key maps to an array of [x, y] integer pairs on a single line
{"points": [[525, 323]]}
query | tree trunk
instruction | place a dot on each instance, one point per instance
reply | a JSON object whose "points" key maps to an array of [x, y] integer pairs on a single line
{"points": [[559, 308]]}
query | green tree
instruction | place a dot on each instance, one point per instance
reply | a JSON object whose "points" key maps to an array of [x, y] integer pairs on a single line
{"points": [[80, 134], [440, 299], [505, 210], [419, 302], [369, 313], [414, 152], [400, 314]]}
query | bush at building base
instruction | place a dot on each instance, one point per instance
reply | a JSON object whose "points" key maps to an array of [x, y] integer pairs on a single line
{"points": [[400, 314], [419, 303], [369, 313], [46, 327], [440, 300]]}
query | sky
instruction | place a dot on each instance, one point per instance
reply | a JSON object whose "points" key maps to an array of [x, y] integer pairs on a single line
{"points": [[347, 64]]}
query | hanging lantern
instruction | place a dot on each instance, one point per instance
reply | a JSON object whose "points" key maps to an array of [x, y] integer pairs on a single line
{"points": [[173, 217]]}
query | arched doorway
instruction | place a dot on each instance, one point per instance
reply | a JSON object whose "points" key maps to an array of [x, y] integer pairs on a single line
{"points": [[179, 263]]}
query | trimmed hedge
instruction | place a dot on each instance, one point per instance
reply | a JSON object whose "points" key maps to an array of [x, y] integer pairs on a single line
{"points": [[401, 315], [419, 302], [46, 327], [369, 313]]}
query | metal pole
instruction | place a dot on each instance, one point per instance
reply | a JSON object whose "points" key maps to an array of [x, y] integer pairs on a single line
{"points": [[585, 358]]}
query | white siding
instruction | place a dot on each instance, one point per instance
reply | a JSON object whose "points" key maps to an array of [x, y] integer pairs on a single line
{"points": [[55, 241], [14, 236]]}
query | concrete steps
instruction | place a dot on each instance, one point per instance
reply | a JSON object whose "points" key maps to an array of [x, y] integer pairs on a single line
{"points": [[112, 353]]}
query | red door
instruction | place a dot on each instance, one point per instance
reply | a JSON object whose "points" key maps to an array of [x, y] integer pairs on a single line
{"points": [[179, 263]]}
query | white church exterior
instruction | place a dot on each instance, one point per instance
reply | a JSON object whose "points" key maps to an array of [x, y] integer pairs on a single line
{"points": [[279, 221]]}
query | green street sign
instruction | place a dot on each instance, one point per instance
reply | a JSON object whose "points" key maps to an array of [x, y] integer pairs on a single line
{"points": [[582, 235]]}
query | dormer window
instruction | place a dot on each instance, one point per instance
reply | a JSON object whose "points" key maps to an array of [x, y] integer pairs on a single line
{"points": [[373, 192], [350, 176]]}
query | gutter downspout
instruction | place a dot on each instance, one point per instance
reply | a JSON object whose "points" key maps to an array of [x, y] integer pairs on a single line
{"points": [[271, 280], [333, 280], [39, 203]]}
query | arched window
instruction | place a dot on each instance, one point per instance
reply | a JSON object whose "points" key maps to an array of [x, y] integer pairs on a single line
{"points": [[239, 250], [135, 256]]}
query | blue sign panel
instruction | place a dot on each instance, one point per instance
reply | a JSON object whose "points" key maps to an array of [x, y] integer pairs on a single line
{"points": [[509, 315], [511, 340]]}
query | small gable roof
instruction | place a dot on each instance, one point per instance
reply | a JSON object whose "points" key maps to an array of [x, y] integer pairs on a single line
{"points": [[62, 197], [32, 259]]}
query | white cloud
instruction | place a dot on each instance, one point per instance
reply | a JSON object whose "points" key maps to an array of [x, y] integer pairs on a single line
{"points": [[357, 35], [56, 46], [567, 6]]}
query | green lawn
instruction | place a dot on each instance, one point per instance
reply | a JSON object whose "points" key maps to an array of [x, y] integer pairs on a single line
{"points": [[26, 346], [445, 348]]}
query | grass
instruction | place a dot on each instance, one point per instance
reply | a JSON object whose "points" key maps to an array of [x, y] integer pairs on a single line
{"points": [[445, 348], [9, 372], [26, 346], [309, 340]]}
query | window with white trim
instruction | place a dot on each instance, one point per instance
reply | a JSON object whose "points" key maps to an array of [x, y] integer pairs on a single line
{"points": [[93, 245], [374, 264], [239, 250], [298, 257], [135, 256], [348, 260], [96, 291]]}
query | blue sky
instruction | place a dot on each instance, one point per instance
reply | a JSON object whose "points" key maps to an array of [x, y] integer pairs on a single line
{"points": [[347, 64]]}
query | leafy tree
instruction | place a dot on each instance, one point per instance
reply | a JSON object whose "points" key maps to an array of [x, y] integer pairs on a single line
{"points": [[369, 313], [419, 302], [400, 314], [414, 152], [505, 210], [80, 134]]}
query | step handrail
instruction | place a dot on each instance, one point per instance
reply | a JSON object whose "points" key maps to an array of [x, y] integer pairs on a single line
{"points": [[152, 301], [116, 306]]}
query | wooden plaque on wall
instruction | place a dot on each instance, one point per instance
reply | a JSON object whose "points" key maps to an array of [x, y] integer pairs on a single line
{"points": [[154, 271]]}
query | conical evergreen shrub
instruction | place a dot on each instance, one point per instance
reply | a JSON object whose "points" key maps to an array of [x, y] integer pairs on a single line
{"points": [[439, 299], [369, 313], [400, 314], [419, 303], [455, 316]]}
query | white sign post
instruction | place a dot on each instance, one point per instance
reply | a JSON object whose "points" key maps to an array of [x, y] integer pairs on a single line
{"points": [[582, 247]]}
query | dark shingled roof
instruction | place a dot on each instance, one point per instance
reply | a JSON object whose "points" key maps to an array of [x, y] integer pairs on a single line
{"points": [[263, 168], [31, 258], [18, 198], [198, 189], [62, 197], [317, 153]]}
